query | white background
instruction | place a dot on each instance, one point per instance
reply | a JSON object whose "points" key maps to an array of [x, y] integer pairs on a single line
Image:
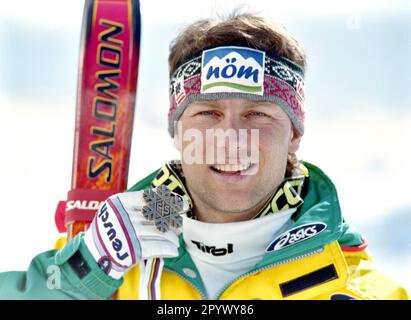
{"points": [[358, 125]]}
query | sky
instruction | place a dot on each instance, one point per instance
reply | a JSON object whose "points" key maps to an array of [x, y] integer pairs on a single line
{"points": [[358, 111]]}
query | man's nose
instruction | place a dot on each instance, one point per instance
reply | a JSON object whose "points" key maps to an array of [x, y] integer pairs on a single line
{"points": [[236, 136], [231, 120]]}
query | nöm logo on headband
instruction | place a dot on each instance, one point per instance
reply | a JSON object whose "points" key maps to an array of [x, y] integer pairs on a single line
{"points": [[232, 69]]}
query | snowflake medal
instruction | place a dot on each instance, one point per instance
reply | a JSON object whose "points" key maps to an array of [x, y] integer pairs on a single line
{"points": [[164, 207]]}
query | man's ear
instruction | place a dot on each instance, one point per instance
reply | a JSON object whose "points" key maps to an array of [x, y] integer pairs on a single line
{"points": [[294, 144]]}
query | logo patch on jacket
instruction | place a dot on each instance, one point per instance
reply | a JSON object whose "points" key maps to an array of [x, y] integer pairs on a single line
{"points": [[296, 235], [213, 249], [232, 69]]}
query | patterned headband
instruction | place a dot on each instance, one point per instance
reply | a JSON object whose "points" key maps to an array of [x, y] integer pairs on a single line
{"points": [[238, 72]]}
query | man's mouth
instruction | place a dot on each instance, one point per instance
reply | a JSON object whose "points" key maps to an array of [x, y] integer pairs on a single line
{"points": [[231, 169]]}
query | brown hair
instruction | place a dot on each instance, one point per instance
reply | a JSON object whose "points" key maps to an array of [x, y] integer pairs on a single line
{"points": [[237, 29], [245, 29]]}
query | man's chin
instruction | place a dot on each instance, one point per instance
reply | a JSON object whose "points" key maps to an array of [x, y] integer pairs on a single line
{"points": [[233, 205]]}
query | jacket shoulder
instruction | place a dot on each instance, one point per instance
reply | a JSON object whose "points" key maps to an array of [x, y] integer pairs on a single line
{"points": [[367, 280]]}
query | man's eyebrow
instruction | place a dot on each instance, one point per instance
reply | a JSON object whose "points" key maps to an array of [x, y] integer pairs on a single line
{"points": [[259, 104], [208, 103]]}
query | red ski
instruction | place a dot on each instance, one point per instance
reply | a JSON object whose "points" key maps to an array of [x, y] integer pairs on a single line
{"points": [[106, 96]]}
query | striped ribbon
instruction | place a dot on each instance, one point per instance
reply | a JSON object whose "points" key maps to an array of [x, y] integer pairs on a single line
{"points": [[150, 277]]}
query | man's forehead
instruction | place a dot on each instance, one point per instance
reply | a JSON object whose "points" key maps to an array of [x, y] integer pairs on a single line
{"points": [[229, 103]]}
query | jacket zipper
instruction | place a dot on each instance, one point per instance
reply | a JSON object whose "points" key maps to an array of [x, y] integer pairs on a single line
{"points": [[276, 264], [191, 284]]}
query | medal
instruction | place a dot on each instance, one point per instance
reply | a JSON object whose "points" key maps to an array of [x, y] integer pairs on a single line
{"points": [[163, 207]]}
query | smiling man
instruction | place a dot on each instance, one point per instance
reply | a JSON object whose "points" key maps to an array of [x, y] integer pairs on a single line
{"points": [[238, 216], [248, 184]]}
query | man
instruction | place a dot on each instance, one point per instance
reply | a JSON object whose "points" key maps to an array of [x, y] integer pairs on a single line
{"points": [[237, 220]]}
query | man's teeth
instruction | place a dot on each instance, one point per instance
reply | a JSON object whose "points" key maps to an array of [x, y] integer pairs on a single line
{"points": [[232, 167]]}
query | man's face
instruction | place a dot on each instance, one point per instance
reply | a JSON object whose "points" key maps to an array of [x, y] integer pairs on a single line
{"points": [[216, 185]]}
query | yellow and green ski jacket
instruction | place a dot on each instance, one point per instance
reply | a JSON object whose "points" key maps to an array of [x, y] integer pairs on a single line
{"points": [[334, 264]]}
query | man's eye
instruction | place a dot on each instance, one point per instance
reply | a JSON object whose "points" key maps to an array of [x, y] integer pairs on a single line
{"points": [[257, 114], [207, 113]]}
